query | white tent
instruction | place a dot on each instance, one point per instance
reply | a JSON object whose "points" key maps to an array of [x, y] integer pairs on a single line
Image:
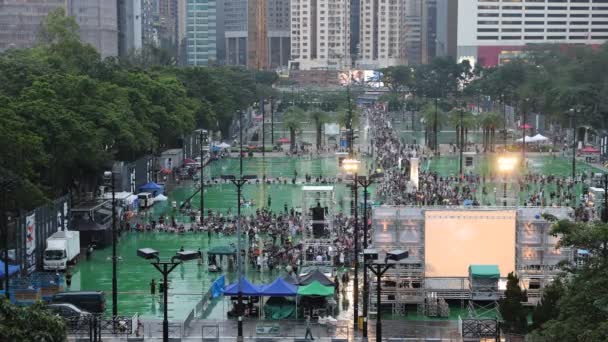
{"points": [[223, 145], [538, 138], [521, 140], [160, 198]]}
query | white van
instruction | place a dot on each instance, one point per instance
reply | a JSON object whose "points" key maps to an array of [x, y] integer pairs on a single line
{"points": [[145, 200]]}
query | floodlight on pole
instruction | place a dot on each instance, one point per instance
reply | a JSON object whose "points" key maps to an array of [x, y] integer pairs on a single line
{"points": [[350, 165], [506, 166]]}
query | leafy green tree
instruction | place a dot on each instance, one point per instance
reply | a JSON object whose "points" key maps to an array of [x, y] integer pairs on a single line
{"points": [[319, 118], [512, 311], [31, 323], [398, 78], [548, 309], [292, 121], [489, 122], [577, 304]]}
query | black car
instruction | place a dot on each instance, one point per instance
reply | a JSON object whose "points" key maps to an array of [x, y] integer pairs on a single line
{"points": [[90, 301]]}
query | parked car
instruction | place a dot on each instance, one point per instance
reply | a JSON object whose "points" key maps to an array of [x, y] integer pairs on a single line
{"points": [[68, 311], [91, 301]]}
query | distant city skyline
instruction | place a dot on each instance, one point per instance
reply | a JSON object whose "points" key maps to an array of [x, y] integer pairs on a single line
{"points": [[315, 34]]}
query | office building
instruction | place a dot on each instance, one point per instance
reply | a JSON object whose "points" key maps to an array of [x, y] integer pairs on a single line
{"points": [[396, 32], [235, 31], [20, 22], [279, 37], [201, 32], [355, 22], [446, 28], [129, 27], [320, 34], [490, 33], [257, 35]]}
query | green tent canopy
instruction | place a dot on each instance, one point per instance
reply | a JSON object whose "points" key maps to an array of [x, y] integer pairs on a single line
{"points": [[315, 289], [484, 271]]}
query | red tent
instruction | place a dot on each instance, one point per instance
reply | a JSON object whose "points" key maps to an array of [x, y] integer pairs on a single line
{"points": [[283, 140], [589, 149]]}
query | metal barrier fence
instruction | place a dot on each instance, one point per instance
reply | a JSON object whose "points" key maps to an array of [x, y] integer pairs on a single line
{"points": [[269, 330], [94, 327]]}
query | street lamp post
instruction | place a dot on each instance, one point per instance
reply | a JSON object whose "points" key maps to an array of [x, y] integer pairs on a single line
{"points": [[435, 142], [461, 139], [239, 184], [506, 165], [605, 213], [202, 140], [272, 121], [352, 166], [109, 177], [8, 184], [365, 183], [165, 267], [263, 127], [379, 270], [573, 113]]}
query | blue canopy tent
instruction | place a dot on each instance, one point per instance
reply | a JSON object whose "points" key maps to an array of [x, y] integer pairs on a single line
{"points": [[279, 288], [12, 269], [152, 188], [247, 288]]}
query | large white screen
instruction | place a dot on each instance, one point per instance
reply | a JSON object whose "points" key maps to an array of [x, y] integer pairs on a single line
{"points": [[456, 239]]}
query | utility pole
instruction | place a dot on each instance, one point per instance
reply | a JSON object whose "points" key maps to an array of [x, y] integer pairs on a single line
{"points": [[605, 212], [114, 278], [165, 268], [435, 142], [365, 183], [461, 140], [239, 185], [263, 127], [356, 231], [272, 121], [201, 143]]}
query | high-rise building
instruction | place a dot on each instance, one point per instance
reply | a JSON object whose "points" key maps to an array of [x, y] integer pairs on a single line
{"points": [[320, 34], [201, 32], [149, 21], [129, 26], [355, 22], [279, 27], [413, 31], [396, 32], [167, 24], [447, 28], [257, 35], [235, 27], [490, 33], [429, 30], [20, 22], [98, 21]]}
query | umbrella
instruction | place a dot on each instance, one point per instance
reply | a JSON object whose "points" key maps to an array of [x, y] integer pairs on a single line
{"points": [[165, 171], [539, 137], [283, 140], [589, 149], [525, 126], [189, 161], [223, 145]]}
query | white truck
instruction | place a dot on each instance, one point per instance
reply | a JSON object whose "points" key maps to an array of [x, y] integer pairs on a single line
{"points": [[62, 248]]}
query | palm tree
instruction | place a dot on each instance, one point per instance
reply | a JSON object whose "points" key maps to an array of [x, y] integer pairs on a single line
{"points": [[489, 122], [468, 122], [319, 118], [292, 120], [428, 115], [349, 119]]}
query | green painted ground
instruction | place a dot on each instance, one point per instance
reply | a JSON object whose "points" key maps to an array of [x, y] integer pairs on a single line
{"points": [[189, 281]]}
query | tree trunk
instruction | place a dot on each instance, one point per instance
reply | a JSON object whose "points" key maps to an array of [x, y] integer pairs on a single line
{"points": [[292, 139], [319, 134]]}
